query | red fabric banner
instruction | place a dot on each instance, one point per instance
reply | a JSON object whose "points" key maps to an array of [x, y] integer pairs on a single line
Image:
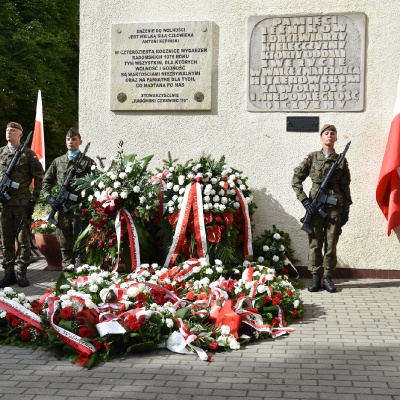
{"points": [[388, 189]]}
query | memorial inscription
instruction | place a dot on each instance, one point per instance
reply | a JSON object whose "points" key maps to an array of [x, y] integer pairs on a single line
{"points": [[161, 66], [306, 63]]}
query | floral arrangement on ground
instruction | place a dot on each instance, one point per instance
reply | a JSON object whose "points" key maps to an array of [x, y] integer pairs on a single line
{"points": [[93, 314]]}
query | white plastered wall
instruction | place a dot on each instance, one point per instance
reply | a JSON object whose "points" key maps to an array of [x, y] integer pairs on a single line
{"points": [[256, 143]]}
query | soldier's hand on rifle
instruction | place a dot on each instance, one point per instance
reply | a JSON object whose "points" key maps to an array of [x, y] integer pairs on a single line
{"points": [[29, 208], [310, 208], [344, 218], [54, 203]]}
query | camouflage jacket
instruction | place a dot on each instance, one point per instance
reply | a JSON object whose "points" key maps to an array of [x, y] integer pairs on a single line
{"points": [[316, 166], [58, 170], [28, 168]]}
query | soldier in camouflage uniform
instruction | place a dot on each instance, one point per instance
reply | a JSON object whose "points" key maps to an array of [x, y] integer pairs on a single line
{"points": [[16, 213], [69, 223], [326, 231]]}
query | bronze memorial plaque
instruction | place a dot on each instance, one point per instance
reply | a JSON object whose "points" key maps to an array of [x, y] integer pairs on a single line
{"points": [[161, 66]]}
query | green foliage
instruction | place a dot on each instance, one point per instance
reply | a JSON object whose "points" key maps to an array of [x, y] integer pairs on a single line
{"points": [[39, 49]]}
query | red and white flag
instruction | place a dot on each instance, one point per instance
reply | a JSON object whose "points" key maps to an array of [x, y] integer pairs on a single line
{"points": [[388, 189], [38, 132]]}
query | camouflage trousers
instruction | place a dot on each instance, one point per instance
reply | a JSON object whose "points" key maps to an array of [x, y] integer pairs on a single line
{"points": [[325, 236], [16, 248], [69, 228]]}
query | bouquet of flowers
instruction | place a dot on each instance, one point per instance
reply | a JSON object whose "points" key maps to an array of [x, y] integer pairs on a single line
{"points": [[120, 200], [43, 226], [217, 213]]}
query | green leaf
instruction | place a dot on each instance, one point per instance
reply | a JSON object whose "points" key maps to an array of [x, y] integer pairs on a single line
{"points": [[183, 312]]}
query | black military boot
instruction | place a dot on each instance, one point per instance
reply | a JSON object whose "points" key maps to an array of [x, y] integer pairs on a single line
{"points": [[315, 284], [8, 279], [328, 285], [22, 280]]}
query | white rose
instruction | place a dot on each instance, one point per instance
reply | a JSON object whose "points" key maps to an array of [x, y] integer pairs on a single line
{"points": [[136, 189], [128, 170], [214, 181], [117, 184], [122, 175], [93, 167], [265, 248], [101, 185], [275, 258], [260, 259], [219, 270], [124, 195], [206, 199], [114, 195], [282, 247], [142, 199], [277, 236], [216, 199], [233, 343], [181, 179], [205, 207], [218, 262], [225, 330], [209, 271], [93, 288], [176, 188], [169, 322], [222, 207], [169, 185]]}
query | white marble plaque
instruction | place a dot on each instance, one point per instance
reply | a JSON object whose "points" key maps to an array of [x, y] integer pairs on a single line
{"points": [[303, 63], [161, 66]]}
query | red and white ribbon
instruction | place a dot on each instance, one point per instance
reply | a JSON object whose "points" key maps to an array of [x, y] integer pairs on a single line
{"points": [[192, 198], [248, 246], [133, 239], [66, 336], [21, 312]]}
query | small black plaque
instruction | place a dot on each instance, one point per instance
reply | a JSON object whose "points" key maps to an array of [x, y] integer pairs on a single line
{"points": [[302, 124]]}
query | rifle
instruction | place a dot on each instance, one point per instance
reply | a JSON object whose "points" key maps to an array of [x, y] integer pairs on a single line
{"points": [[64, 194], [6, 184], [321, 198]]}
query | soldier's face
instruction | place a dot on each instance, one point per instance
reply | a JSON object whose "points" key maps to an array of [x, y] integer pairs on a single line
{"points": [[73, 142], [13, 135], [328, 138]]}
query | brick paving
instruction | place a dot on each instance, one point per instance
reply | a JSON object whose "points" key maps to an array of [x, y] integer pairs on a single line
{"points": [[347, 348]]}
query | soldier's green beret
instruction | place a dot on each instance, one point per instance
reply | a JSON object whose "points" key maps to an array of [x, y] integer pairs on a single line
{"points": [[328, 127], [15, 125]]}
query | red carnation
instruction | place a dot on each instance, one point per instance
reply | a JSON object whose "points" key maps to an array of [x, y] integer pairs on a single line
{"points": [[67, 312], [134, 326], [25, 335], [276, 301], [160, 300], [86, 332], [16, 322], [266, 299], [289, 292], [276, 321], [141, 298], [294, 314], [213, 346]]}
